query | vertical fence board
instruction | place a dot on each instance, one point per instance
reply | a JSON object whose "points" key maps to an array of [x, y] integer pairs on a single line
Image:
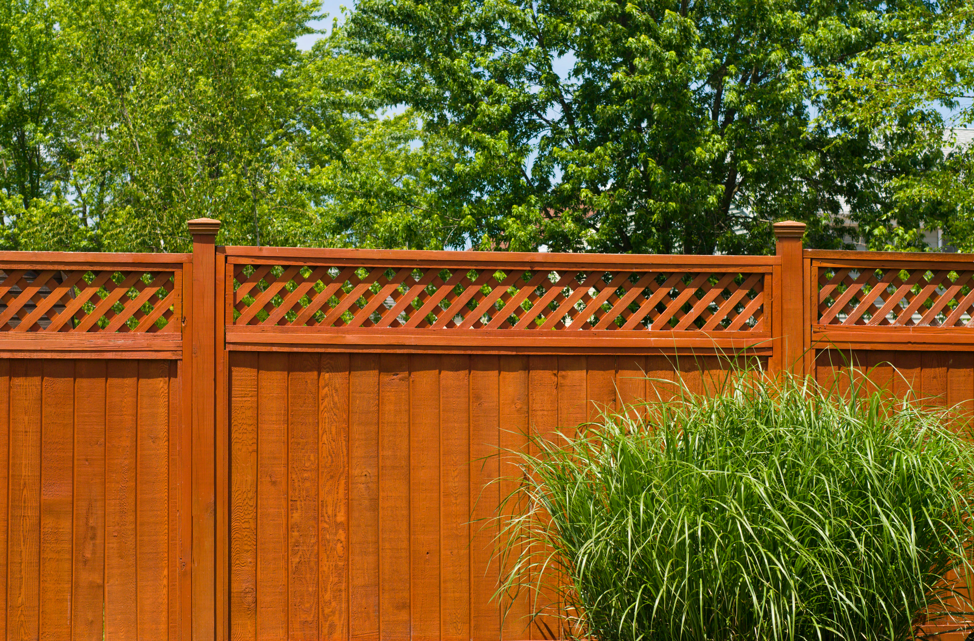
{"points": [[600, 386], [572, 411], [272, 486], [333, 496], [89, 509], [424, 496], [121, 549], [882, 373], [363, 500], [484, 497], [543, 382], [690, 375], [631, 382], [23, 563], [933, 373], [175, 413], [454, 497], [907, 383], [57, 467], [661, 378], [394, 592], [303, 496], [153, 499], [514, 406], [960, 387], [5, 429], [245, 402]]}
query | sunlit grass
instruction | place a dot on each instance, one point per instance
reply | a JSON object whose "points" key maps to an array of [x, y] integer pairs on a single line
{"points": [[765, 511]]}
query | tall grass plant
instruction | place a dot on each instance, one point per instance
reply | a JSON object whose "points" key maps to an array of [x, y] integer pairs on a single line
{"points": [[771, 510]]}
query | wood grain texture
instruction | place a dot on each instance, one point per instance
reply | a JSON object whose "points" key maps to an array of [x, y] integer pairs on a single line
{"points": [[57, 488], [573, 399], [272, 488], [175, 500], [933, 373], [89, 507], [152, 499], [960, 388], [244, 403], [631, 383], [23, 539], [543, 400], [4, 488], [333, 496], [485, 616], [424, 496], [601, 386], [455, 497], [394, 555], [363, 499], [121, 542], [513, 409], [662, 380], [303, 496]]}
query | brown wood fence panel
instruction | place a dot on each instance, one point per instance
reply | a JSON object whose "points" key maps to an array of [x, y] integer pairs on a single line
{"points": [[89, 536], [362, 485], [269, 443]]}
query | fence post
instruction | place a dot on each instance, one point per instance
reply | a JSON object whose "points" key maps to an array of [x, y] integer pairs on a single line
{"points": [[203, 396], [789, 298]]}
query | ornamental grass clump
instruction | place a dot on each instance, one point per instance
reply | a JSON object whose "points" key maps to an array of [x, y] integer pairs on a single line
{"points": [[766, 511]]}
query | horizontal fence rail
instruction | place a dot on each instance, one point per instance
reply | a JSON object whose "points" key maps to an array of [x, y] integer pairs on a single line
{"points": [[264, 443]]}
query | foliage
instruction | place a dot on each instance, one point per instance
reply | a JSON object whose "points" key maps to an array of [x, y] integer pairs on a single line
{"points": [[646, 126], [770, 510], [121, 119], [905, 80]]}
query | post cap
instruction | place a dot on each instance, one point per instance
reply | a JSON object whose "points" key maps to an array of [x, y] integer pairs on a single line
{"points": [[203, 226], [789, 229]]}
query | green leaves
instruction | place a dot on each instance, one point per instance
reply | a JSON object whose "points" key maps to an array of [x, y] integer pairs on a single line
{"points": [[132, 117], [648, 126]]}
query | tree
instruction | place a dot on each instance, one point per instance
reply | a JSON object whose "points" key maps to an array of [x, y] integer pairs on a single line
{"points": [[925, 81], [122, 119], [650, 125]]}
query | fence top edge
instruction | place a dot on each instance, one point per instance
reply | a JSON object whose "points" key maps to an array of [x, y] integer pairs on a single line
{"points": [[92, 258], [472, 259], [872, 257]]}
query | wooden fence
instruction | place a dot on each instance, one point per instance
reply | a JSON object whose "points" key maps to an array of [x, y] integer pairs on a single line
{"points": [[266, 443]]}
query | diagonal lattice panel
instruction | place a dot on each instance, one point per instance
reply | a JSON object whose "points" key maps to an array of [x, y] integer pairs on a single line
{"points": [[887, 297], [104, 301], [419, 298]]}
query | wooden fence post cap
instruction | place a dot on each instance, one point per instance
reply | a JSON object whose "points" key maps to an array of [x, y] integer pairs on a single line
{"points": [[203, 227], [789, 229]]}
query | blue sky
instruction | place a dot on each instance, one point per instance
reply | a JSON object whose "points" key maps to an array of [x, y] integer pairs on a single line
{"points": [[334, 10]]}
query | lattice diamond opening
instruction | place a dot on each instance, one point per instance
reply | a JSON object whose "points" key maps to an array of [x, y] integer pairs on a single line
{"points": [[87, 301], [896, 297], [433, 298]]}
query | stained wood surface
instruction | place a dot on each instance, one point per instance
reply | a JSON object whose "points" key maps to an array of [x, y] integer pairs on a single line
{"points": [[87, 499], [413, 458]]}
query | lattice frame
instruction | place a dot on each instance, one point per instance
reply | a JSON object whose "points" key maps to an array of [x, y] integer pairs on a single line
{"points": [[905, 296], [96, 300], [434, 298]]}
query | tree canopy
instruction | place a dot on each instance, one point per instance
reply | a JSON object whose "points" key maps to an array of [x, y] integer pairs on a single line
{"points": [[658, 125], [122, 119], [577, 125]]}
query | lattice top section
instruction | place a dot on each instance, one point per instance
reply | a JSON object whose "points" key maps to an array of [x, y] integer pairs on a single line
{"points": [[512, 299], [914, 297], [82, 300]]}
